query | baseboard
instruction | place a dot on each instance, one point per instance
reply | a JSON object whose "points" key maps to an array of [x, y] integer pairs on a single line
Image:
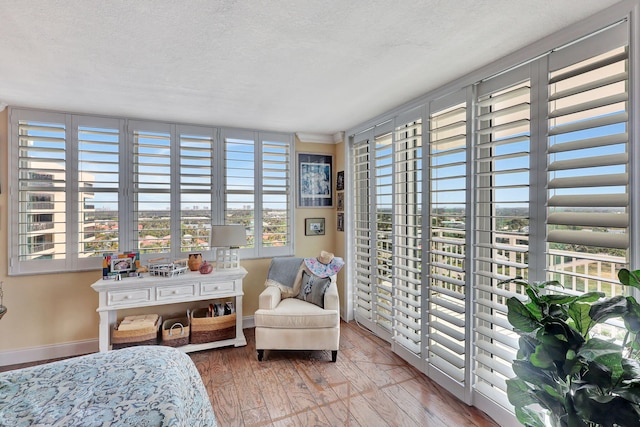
{"points": [[55, 351], [248, 322]]}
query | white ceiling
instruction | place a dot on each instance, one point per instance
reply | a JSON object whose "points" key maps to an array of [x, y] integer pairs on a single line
{"points": [[286, 65]]}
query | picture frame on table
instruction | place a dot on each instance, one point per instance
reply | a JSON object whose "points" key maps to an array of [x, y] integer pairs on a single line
{"points": [[315, 185]]}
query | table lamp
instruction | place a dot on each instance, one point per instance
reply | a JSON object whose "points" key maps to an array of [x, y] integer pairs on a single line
{"points": [[227, 240]]}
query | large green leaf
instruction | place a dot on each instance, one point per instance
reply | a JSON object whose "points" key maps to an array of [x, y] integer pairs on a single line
{"points": [[606, 353], [632, 318], [598, 374], [527, 345], [520, 317], [608, 308], [629, 278], [542, 358], [631, 369], [520, 393], [630, 392], [529, 417], [533, 375], [579, 313], [606, 410]]}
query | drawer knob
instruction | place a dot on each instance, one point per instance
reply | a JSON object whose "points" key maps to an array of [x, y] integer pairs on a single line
{"points": [[127, 297], [175, 292]]}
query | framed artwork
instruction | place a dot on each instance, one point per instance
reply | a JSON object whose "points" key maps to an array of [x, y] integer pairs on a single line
{"points": [[315, 173], [340, 222], [314, 227], [340, 202], [340, 181]]}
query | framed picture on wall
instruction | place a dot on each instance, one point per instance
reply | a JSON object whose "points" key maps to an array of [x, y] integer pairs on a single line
{"points": [[314, 227], [315, 172], [340, 222], [340, 181]]}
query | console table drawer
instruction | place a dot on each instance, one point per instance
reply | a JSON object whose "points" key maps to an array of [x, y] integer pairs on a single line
{"points": [[215, 287], [115, 298], [173, 292]]}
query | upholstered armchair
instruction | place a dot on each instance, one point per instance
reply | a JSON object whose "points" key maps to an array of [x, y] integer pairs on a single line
{"points": [[299, 310]]}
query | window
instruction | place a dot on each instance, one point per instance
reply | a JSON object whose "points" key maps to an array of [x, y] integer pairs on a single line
{"points": [[529, 174], [90, 185]]}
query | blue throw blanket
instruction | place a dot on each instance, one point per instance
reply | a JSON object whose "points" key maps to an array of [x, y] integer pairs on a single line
{"points": [[284, 270]]}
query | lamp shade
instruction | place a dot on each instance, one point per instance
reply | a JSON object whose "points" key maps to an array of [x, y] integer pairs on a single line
{"points": [[227, 236]]}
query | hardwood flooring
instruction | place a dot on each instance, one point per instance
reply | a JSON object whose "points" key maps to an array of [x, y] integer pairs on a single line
{"points": [[367, 386]]}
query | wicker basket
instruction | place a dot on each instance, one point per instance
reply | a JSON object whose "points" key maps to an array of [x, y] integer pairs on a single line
{"points": [[175, 332], [207, 329], [142, 336]]}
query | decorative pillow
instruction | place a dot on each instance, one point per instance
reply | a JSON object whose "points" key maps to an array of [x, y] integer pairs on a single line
{"points": [[313, 288], [285, 274]]}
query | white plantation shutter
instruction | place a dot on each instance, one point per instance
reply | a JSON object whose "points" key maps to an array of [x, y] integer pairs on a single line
{"points": [[42, 221], [363, 230], [99, 147], [447, 269], [239, 182], [383, 255], [152, 182], [196, 147], [407, 236], [588, 145], [276, 205], [502, 180]]}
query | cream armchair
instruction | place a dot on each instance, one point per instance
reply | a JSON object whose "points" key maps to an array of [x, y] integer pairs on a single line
{"points": [[290, 323]]}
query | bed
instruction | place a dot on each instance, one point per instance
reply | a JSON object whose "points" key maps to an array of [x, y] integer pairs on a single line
{"points": [[136, 386]]}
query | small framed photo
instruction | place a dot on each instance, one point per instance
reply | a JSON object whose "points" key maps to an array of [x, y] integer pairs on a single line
{"points": [[340, 222], [122, 265], [340, 202], [315, 174], [340, 181], [314, 227]]}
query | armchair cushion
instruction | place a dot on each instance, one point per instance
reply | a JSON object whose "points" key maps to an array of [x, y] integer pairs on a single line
{"points": [[313, 289]]}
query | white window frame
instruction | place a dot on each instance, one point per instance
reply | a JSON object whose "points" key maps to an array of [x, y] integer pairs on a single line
{"points": [[127, 239]]}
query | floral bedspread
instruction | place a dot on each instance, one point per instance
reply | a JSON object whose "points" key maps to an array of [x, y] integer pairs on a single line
{"points": [[136, 386]]}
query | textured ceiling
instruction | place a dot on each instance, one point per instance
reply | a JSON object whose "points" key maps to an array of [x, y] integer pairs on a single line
{"points": [[286, 65]]}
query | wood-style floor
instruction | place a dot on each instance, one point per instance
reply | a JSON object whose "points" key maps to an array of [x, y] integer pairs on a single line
{"points": [[367, 386]]}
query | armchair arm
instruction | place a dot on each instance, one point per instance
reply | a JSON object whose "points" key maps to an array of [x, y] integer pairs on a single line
{"points": [[269, 298], [331, 298]]}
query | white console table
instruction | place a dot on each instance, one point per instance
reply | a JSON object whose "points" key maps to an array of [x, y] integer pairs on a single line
{"points": [[136, 292]]}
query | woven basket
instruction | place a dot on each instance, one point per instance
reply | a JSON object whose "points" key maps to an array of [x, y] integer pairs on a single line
{"points": [[207, 329], [142, 336], [175, 332]]}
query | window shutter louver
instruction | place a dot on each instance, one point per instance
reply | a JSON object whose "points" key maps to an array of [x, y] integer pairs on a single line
{"points": [[152, 188], [239, 179], [447, 271], [196, 183], [42, 187], [407, 246], [362, 230], [502, 180], [383, 191], [99, 146], [588, 176], [276, 191]]}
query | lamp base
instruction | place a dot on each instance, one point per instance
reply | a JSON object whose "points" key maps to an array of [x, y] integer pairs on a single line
{"points": [[227, 258]]}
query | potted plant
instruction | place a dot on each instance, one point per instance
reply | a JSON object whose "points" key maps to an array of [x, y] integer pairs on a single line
{"points": [[565, 374]]}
